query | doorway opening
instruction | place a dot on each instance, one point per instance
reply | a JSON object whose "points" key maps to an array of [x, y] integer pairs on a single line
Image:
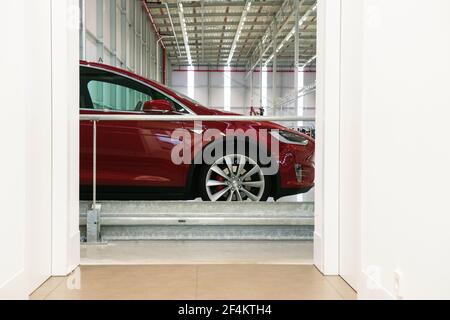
{"points": [[268, 71]]}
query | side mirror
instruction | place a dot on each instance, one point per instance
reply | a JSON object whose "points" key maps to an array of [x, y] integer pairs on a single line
{"points": [[158, 106]]}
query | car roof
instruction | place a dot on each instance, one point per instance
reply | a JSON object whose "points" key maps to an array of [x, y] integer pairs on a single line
{"points": [[196, 108]]}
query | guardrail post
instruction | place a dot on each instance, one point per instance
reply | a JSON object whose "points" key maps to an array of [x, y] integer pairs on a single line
{"points": [[93, 226], [93, 234]]}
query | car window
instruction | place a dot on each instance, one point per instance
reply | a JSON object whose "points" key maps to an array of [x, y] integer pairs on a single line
{"points": [[109, 96], [101, 90]]}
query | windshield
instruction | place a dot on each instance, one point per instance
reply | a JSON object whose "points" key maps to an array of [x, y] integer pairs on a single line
{"points": [[181, 95]]}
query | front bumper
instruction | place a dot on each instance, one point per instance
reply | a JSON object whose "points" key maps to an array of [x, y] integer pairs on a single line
{"points": [[296, 170]]}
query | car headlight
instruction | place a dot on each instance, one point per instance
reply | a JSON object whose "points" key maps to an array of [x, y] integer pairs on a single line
{"points": [[289, 137]]}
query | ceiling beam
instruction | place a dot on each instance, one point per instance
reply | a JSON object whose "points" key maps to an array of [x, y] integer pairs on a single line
{"points": [[221, 14], [197, 4], [281, 16], [218, 37], [310, 29], [214, 61], [213, 40], [213, 31], [215, 24], [215, 50], [304, 20]]}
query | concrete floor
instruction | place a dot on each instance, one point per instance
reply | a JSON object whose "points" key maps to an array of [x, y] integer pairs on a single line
{"points": [[191, 282], [198, 252]]}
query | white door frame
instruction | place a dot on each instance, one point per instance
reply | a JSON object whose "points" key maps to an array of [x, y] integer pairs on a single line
{"points": [[326, 235], [66, 246], [65, 137]]}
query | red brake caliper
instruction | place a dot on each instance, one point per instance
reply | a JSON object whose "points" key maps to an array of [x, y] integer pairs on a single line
{"points": [[221, 179]]}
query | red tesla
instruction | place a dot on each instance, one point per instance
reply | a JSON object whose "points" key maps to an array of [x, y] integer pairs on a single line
{"points": [[138, 160]]}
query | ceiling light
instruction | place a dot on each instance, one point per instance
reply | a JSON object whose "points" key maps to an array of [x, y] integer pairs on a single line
{"points": [[184, 31], [239, 30], [307, 63]]}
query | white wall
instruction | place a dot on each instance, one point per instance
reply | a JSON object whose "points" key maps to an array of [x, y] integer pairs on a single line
{"points": [[39, 129], [383, 176], [405, 169], [326, 233], [65, 137], [13, 283], [350, 142], [209, 90], [119, 33], [38, 99]]}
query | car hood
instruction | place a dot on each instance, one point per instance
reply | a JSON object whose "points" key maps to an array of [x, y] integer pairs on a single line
{"points": [[255, 124]]}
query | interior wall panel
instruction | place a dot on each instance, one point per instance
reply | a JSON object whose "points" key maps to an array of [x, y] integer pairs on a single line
{"points": [[350, 154], [133, 44], [240, 90], [39, 144], [13, 284]]}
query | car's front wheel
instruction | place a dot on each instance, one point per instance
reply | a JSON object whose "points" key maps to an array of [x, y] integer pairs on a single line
{"points": [[234, 177]]}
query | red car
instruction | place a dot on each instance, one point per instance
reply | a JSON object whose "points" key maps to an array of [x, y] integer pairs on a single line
{"points": [[135, 159]]}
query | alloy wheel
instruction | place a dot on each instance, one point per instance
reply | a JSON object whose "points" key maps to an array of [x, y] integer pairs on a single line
{"points": [[235, 178]]}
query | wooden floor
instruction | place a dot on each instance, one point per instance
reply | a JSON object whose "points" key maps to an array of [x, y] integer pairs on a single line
{"points": [[192, 282]]}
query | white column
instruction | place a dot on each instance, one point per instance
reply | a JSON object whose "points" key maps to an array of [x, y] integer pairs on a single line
{"points": [[252, 98], [261, 80], [157, 78], [274, 70], [350, 142], [296, 49], [83, 29], [38, 97], [209, 88], [113, 35], [13, 120], [326, 235], [65, 110], [99, 21], [123, 32]]}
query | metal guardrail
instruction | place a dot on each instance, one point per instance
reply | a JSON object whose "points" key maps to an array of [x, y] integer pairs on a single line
{"points": [[199, 213], [143, 220], [93, 216], [168, 118]]}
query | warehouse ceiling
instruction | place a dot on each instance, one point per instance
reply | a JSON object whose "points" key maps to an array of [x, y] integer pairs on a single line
{"points": [[235, 32]]}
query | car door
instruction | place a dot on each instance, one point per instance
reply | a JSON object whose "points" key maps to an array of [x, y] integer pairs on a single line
{"points": [[129, 153], [165, 153]]}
